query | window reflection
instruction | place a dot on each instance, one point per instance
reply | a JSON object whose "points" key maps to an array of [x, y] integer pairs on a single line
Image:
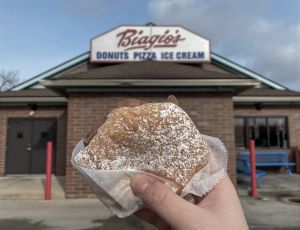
{"points": [[268, 132], [278, 135], [239, 125]]}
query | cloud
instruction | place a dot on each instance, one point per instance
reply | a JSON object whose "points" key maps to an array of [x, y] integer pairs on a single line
{"points": [[262, 35]]}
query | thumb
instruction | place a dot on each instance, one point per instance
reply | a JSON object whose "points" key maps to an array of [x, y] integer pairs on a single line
{"points": [[160, 199]]}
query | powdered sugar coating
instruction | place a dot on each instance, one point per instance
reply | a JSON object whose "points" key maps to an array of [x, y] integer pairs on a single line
{"points": [[159, 138]]}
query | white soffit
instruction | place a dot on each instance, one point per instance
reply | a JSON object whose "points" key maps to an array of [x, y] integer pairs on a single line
{"points": [[266, 99]]}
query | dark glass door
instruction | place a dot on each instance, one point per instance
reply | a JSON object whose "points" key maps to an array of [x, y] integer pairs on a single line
{"points": [[26, 145]]}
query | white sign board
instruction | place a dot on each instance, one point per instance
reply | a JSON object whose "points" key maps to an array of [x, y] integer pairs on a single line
{"points": [[160, 43]]}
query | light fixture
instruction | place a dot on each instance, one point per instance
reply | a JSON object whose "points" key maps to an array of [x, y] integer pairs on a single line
{"points": [[258, 106], [33, 108]]}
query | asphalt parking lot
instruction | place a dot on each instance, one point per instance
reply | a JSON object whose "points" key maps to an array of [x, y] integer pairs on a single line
{"points": [[75, 214], [90, 214]]}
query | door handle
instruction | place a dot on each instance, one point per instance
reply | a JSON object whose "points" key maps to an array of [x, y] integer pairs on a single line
{"points": [[28, 147]]}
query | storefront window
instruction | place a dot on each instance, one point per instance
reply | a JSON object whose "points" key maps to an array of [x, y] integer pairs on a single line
{"points": [[278, 134], [258, 130], [239, 126], [268, 132]]}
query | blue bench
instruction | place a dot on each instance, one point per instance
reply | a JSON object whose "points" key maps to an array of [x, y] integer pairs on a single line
{"points": [[243, 168], [265, 159]]}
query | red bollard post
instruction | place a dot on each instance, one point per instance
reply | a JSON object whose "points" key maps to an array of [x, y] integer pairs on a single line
{"points": [[48, 170], [253, 168]]}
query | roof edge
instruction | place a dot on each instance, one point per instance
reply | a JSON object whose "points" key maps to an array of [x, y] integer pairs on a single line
{"points": [[247, 71], [56, 69], [85, 57]]}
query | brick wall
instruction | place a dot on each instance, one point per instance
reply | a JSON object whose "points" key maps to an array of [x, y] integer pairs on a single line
{"points": [[42, 112], [212, 114], [291, 112]]}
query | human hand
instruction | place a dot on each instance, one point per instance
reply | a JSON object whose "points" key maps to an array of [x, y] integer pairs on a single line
{"points": [[219, 209]]}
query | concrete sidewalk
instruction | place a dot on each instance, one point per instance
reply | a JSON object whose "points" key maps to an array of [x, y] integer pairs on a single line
{"points": [[90, 214], [18, 212], [30, 187], [274, 184], [272, 209], [271, 213]]}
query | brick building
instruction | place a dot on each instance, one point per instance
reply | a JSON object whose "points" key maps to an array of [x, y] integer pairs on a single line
{"points": [[224, 100]]}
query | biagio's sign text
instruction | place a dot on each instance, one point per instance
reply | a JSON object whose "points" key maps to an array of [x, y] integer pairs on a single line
{"points": [[162, 43]]}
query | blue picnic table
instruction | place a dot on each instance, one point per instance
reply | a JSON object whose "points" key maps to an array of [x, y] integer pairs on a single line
{"points": [[268, 159], [265, 159]]}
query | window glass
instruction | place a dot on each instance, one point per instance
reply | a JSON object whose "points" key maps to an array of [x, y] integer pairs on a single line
{"points": [[250, 128], [278, 132], [19, 134], [257, 130], [261, 134], [239, 126], [268, 132]]}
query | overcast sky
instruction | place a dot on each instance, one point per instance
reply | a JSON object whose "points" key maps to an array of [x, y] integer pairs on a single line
{"points": [[263, 35]]}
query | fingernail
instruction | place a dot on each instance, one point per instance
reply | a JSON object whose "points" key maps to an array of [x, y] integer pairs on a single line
{"points": [[139, 184]]}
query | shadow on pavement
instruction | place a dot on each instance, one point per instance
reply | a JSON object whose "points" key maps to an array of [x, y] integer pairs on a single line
{"points": [[24, 224]]}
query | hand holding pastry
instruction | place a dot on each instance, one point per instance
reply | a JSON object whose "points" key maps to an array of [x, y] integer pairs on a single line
{"points": [[219, 209], [157, 139]]}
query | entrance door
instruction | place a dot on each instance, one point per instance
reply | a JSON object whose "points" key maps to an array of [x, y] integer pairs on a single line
{"points": [[26, 145]]}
